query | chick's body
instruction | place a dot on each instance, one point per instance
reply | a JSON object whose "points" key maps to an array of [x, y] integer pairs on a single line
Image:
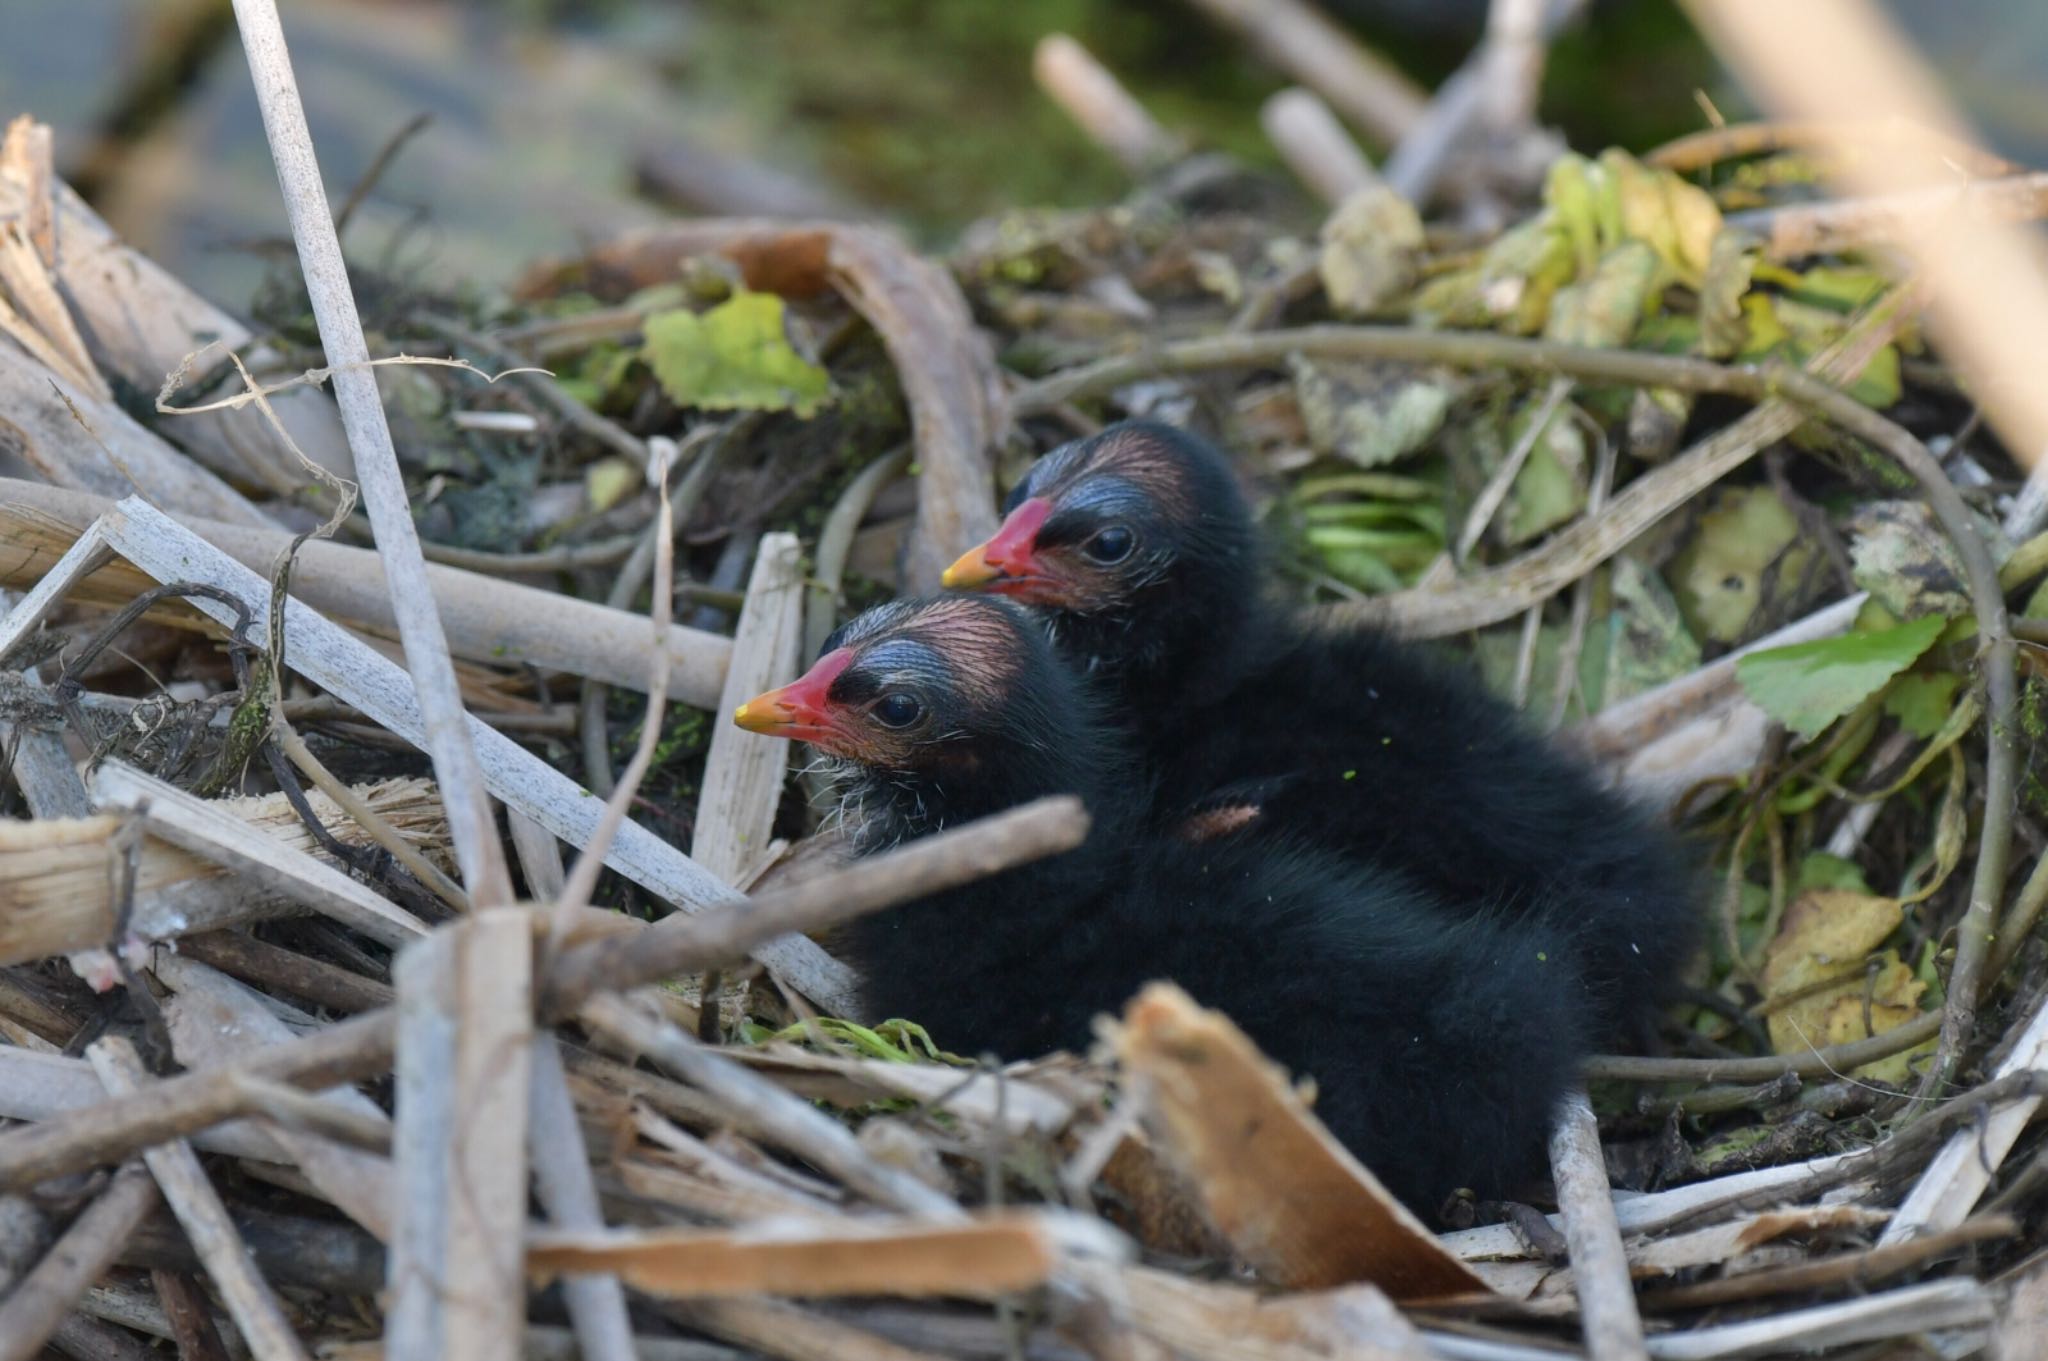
{"points": [[1439, 1034], [1140, 544]]}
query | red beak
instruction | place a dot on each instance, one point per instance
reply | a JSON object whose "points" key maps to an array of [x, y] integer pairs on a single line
{"points": [[1008, 564], [800, 710]]}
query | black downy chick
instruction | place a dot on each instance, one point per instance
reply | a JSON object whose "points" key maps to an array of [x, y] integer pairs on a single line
{"points": [[1439, 1038], [1252, 714]]}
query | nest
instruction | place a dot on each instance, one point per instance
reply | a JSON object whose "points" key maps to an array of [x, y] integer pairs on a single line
{"points": [[307, 1050]]}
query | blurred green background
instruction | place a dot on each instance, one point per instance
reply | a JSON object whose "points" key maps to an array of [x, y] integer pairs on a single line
{"points": [[545, 112]]}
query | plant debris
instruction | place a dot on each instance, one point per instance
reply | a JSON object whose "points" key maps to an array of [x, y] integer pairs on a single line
{"points": [[1664, 453]]}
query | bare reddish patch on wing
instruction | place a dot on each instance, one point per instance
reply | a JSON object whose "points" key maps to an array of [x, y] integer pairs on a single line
{"points": [[1212, 823]]}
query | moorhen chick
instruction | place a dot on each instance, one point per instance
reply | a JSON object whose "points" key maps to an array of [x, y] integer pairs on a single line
{"points": [[1253, 715], [1439, 1036]]}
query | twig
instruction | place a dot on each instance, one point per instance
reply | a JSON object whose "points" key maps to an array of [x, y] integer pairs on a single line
{"points": [[87, 1339], [379, 829], [279, 970], [190, 1314], [1950, 1187], [203, 829], [250, 1301], [447, 731], [582, 878], [1607, 1300], [1100, 105], [2020, 917], [1310, 48], [175, 1107], [303, 1113], [1927, 1308], [1856, 1269], [1826, 1062], [379, 163], [1582, 590], [42, 1298]]}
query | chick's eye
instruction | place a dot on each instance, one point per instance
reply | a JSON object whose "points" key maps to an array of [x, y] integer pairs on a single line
{"points": [[898, 710], [1111, 545]]}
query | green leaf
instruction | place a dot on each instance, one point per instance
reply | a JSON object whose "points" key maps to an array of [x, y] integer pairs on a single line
{"points": [[1648, 640], [1842, 289], [1606, 306], [1722, 324], [1551, 487], [1809, 685], [735, 356], [1720, 575], [1821, 870], [1922, 703]]}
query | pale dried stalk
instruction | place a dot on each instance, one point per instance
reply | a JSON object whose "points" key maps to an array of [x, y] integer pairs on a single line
{"points": [[432, 670], [743, 771], [1310, 47], [561, 1173], [465, 1029], [1600, 1270], [1099, 104], [1315, 145], [488, 619], [1988, 283], [141, 322]]}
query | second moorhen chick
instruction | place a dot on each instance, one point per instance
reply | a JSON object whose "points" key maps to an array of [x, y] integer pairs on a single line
{"points": [[1439, 1038], [1140, 542]]}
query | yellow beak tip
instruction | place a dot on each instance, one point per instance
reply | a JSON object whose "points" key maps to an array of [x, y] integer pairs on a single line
{"points": [[970, 571]]}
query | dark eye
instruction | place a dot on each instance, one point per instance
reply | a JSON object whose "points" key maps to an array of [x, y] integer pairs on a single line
{"points": [[1111, 545], [898, 710]]}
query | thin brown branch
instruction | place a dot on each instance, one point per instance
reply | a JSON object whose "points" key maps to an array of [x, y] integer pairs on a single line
{"points": [[1854, 1270]]}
